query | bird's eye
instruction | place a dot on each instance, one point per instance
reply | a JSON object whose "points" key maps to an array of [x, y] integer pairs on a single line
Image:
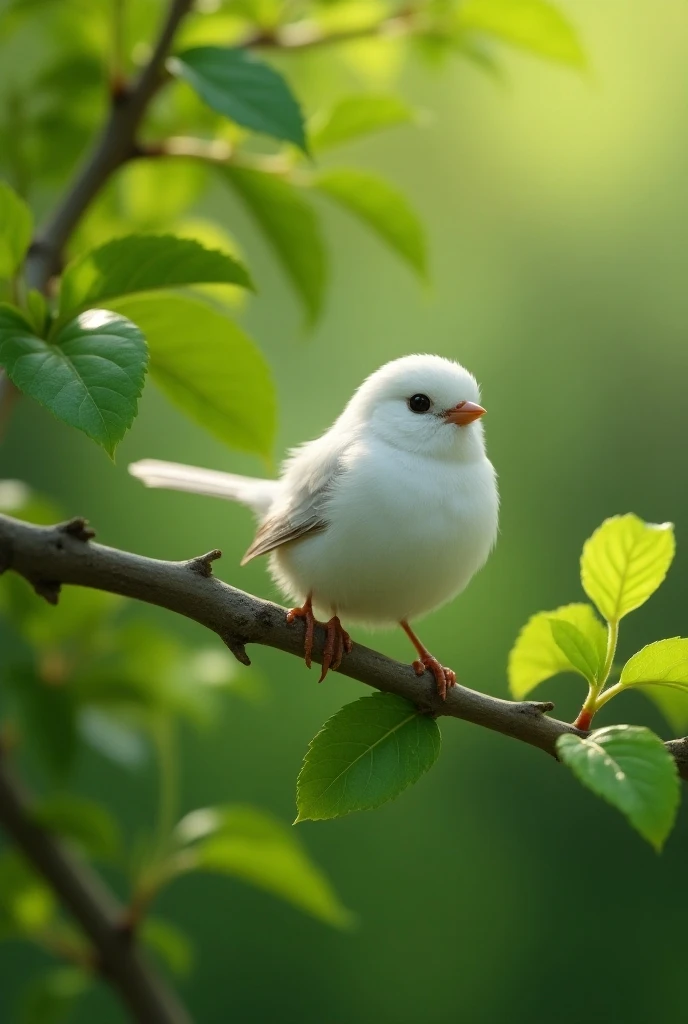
{"points": [[419, 403]]}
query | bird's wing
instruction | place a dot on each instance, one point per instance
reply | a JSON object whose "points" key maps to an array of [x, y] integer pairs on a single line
{"points": [[309, 476], [257, 494]]}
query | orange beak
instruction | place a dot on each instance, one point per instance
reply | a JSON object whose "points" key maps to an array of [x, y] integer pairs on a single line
{"points": [[464, 413]]}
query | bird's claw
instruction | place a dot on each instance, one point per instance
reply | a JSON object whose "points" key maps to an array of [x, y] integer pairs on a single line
{"points": [[306, 613], [444, 677], [337, 640], [337, 643]]}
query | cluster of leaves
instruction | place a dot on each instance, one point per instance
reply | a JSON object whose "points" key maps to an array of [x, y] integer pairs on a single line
{"points": [[622, 565], [88, 670], [374, 748], [84, 354]]}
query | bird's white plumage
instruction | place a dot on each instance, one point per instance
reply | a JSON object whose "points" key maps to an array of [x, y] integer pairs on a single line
{"points": [[387, 515]]}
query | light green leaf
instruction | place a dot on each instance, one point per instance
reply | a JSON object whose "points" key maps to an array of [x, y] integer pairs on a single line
{"points": [[385, 210], [661, 672], [89, 376], [51, 998], [171, 944], [291, 227], [144, 263], [112, 738], [86, 823], [355, 116], [26, 903], [237, 84], [257, 848], [16, 225], [624, 562], [630, 767], [39, 314], [577, 648], [208, 367], [533, 25], [364, 755], [536, 656]]}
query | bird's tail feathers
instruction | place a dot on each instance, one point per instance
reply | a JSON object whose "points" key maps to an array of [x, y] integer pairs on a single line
{"points": [[255, 493]]}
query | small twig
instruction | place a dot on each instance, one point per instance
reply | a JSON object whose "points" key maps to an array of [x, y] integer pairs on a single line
{"points": [[92, 905], [239, 618]]}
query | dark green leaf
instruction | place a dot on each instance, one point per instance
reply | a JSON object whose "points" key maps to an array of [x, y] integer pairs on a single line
{"points": [[355, 116], [257, 848], [576, 646], [291, 227], [207, 366], [48, 717], [51, 998], [90, 376], [171, 945], [85, 822], [364, 755], [631, 768], [382, 208], [144, 263], [16, 224], [237, 84]]}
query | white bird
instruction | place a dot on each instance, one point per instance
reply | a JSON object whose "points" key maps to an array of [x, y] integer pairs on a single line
{"points": [[385, 517]]}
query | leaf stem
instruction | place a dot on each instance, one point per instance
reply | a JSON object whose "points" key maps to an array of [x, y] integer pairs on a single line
{"points": [[597, 696]]}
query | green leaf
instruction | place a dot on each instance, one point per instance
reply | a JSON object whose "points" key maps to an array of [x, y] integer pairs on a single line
{"points": [[89, 376], [26, 903], [533, 25], [51, 998], [171, 945], [661, 671], [144, 263], [16, 225], [257, 848], [116, 740], [537, 656], [39, 314], [624, 562], [631, 768], [237, 84], [48, 718], [83, 821], [291, 227], [364, 755], [381, 208], [355, 116], [208, 367], [578, 649]]}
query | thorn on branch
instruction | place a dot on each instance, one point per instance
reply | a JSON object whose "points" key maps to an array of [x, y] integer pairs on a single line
{"points": [[536, 708], [78, 528], [237, 648], [203, 564], [49, 590]]}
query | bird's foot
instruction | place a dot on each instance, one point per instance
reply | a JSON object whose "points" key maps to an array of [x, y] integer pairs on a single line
{"points": [[444, 677], [337, 644], [305, 613]]}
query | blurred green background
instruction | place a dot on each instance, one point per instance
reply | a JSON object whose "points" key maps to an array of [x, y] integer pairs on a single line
{"points": [[497, 888]]}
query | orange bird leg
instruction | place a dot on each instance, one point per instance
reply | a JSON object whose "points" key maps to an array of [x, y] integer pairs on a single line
{"points": [[444, 677], [305, 612], [337, 641]]}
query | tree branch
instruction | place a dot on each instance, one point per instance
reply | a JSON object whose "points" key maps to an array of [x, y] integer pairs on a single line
{"points": [[93, 906], [50, 556], [115, 145]]}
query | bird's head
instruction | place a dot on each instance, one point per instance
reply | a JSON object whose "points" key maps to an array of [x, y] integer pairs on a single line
{"points": [[423, 404]]}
